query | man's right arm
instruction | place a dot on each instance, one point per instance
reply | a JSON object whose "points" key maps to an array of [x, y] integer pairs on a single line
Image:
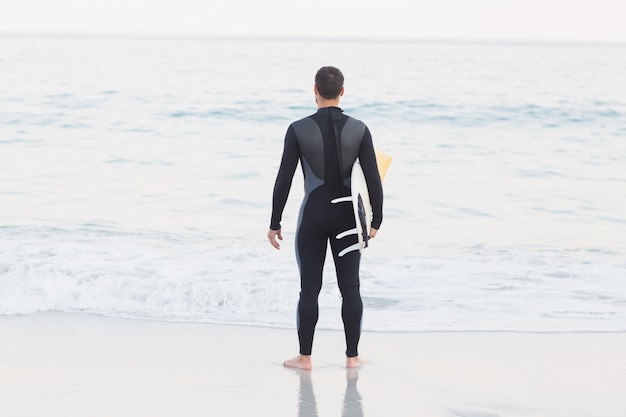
{"points": [[288, 165]]}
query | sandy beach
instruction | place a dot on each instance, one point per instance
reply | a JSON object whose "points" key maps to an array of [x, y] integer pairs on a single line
{"points": [[73, 365]]}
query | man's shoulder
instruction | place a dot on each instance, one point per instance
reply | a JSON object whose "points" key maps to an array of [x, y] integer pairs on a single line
{"points": [[356, 126], [310, 121], [305, 123], [307, 119], [353, 121]]}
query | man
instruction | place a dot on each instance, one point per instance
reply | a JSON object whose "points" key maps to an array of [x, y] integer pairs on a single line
{"points": [[327, 144]]}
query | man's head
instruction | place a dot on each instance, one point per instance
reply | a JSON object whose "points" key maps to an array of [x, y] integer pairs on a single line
{"points": [[329, 82]]}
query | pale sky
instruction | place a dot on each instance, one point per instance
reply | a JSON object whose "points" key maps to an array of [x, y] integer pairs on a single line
{"points": [[516, 20]]}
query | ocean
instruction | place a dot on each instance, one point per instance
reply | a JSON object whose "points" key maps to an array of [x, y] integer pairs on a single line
{"points": [[136, 177]]}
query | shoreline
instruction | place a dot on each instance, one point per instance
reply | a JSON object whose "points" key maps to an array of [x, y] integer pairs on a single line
{"points": [[76, 365]]}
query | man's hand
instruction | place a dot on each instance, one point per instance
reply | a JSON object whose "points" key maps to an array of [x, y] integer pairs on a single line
{"points": [[373, 233], [272, 235]]}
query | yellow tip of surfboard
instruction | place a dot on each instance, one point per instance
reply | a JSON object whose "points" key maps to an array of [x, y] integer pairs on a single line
{"points": [[382, 160]]}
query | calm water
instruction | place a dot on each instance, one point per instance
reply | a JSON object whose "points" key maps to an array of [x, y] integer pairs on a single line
{"points": [[136, 178]]}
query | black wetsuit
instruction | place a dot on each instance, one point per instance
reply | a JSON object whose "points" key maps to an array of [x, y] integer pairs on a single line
{"points": [[326, 167]]}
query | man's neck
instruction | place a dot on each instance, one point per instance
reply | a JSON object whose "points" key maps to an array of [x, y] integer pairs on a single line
{"points": [[324, 102], [327, 103]]}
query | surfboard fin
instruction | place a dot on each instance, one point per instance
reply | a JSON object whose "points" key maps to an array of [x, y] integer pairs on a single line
{"points": [[354, 247], [347, 199], [347, 233]]}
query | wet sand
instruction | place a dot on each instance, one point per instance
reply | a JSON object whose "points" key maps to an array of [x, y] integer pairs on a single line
{"points": [[74, 365]]}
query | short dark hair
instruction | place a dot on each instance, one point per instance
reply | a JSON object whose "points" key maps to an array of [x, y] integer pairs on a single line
{"points": [[329, 82]]}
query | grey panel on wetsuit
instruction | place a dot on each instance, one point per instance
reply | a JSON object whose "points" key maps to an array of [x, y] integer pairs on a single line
{"points": [[311, 144], [351, 138], [311, 181]]}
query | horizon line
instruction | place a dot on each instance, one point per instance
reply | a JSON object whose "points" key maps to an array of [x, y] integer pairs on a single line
{"points": [[314, 38]]}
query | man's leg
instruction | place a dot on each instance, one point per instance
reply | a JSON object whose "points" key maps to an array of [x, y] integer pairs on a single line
{"points": [[311, 254], [347, 268]]}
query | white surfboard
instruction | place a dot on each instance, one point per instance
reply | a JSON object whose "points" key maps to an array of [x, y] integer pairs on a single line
{"points": [[360, 199], [362, 208]]}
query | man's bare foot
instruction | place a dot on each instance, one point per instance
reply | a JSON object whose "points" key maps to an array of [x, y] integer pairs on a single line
{"points": [[299, 362], [354, 362]]}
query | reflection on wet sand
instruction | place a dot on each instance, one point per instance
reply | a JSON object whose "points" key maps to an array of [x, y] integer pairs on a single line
{"points": [[307, 406], [352, 400]]}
